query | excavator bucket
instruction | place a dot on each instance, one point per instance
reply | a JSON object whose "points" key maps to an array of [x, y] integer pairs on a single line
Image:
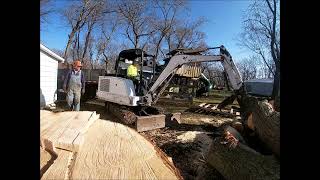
{"points": [[147, 123]]}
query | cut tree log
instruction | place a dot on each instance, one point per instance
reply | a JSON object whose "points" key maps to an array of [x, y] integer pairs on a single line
{"points": [[250, 122], [64, 129], [46, 160], [266, 122], [235, 133], [59, 169], [237, 125], [241, 162], [124, 115], [114, 151]]}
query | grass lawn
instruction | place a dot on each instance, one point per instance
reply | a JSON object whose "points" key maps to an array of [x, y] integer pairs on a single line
{"points": [[215, 97]]}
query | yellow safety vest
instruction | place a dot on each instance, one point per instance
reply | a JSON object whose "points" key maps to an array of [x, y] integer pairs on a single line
{"points": [[132, 71]]}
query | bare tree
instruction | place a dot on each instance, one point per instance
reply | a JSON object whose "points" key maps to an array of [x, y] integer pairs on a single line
{"points": [[186, 34], [45, 10], [107, 31], [214, 72], [136, 20], [94, 18], [261, 35], [165, 20], [248, 68], [77, 15], [264, 71]]}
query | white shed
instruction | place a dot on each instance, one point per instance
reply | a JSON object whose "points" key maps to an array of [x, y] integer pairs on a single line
{"points": [[48, 75]]}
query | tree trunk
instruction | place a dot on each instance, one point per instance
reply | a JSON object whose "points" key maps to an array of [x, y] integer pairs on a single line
{"points": [[78, 45], [276, 88], [73, 31], [90, 26], [265, 120], [226, 80], [241, 162]]}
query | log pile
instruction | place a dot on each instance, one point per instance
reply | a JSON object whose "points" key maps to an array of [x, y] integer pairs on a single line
{"points": [[234, 155], [212, 109], [104, 150]]}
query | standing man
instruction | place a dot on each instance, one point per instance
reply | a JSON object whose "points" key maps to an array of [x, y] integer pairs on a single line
{"points": [[74, 85]]}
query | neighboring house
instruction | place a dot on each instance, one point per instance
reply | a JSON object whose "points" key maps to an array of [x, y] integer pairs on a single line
{"points": [[48, 75]]}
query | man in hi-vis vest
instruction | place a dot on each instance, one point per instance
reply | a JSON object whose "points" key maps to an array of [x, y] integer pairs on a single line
{"points": [[132, 73]]}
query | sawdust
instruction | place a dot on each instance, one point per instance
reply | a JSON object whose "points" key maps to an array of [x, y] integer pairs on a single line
{"points": [[196, 137]]}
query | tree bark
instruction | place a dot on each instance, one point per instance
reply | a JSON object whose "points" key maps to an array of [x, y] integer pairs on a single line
{"points": [[267, 125], [90, 27], [265, 119], [68, 43], [276, 88], [241, 162]]}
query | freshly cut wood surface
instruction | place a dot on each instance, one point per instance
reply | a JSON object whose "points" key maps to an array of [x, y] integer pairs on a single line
{"points": [[114, 151], [62, 129], [266, 122], [46, 160], [59, 169], [44, 157]]}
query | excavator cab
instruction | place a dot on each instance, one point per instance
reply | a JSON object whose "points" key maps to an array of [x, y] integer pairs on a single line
{"points": [[145, 66], [130, 56], [121, 89]]}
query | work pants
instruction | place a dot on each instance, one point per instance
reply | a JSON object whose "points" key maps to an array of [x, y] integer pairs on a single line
{"points": [[73, 99]]}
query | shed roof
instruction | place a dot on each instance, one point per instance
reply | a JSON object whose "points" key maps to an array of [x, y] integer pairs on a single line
{"points": [[50, 53]]}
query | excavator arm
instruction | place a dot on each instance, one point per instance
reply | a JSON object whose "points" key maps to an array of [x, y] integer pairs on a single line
{"points": [[178, 60]]}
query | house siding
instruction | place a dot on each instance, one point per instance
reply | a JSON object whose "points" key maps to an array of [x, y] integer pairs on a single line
{"points": [[48, 79]]}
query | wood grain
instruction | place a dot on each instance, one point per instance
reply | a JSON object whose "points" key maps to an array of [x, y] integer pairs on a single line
{"points": [[60, 130], [46, 160], [59, 169], [114, 151]]}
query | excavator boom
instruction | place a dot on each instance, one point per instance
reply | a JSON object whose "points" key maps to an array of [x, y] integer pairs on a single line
{"points": [[178, 60]]}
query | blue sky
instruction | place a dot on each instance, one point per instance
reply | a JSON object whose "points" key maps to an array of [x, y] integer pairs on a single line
{"points": [[225, 17]]}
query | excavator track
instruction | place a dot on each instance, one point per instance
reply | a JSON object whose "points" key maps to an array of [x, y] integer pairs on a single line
{"points": [[143, 117], [123, 113]]}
